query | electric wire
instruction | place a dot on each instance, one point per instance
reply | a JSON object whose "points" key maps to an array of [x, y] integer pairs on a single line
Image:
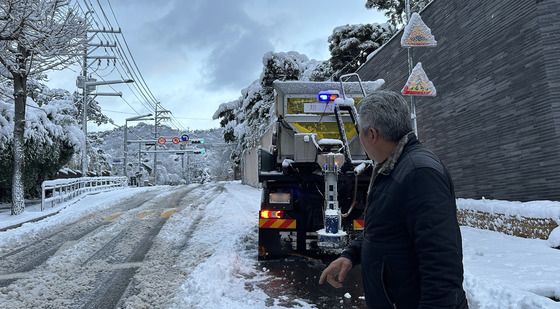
{"points": [[129, 66]]}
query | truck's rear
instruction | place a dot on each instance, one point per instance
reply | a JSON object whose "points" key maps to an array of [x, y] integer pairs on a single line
{"points": [[314, 172]]}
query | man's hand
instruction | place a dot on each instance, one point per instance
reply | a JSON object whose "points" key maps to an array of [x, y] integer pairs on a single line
{"points": [[336, 272]]}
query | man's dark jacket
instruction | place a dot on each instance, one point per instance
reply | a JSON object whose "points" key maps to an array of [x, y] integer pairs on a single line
{"points": [[411, 252]]}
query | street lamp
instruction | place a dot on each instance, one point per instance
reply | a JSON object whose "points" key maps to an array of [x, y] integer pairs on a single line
{"points": [[84, 85], [125, 149]]}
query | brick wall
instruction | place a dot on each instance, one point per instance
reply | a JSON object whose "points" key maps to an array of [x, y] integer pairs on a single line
{"points": [[496, 120]]}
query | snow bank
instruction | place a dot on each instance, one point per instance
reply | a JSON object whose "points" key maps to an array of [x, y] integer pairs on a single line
{"points": [[227, 275], [554, 238], [534, 209], [503, 271]]}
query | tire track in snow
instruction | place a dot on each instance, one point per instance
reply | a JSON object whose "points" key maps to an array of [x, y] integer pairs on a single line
{"points": [[110, 289], [62, 282], [160, 275]]}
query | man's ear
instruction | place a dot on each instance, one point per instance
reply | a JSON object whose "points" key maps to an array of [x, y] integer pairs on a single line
{"points": [[373, 135]]}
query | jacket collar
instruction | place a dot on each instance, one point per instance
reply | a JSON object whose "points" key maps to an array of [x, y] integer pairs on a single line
{"points": [[387, 166]]}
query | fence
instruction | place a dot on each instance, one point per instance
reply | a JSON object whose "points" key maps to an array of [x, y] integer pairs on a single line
{"points": [[62, 190]]}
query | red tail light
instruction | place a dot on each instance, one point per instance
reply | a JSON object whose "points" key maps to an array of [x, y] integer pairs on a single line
{"points": [[272, 214]]}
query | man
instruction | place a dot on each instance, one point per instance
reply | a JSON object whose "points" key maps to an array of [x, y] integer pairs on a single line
{"points": [[411, 251]]}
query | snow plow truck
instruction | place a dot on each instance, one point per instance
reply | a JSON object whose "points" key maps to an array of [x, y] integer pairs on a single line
{"points": [[313, 170]]}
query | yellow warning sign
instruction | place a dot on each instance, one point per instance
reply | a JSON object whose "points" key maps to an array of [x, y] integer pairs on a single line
{"points": [[417, 34], [418, 83]]}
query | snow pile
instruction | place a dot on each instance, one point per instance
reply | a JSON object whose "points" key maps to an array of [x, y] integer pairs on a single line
{"points": [[503, 271], [223, 251], [554, 238], [534, 209]]}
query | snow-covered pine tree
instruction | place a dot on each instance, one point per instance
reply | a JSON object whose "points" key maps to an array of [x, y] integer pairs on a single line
{"points": [[35, 36], [351, 44], [395, 10]]}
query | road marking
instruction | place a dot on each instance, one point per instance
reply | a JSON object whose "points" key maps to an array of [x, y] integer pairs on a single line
{"points": [[113, 217], [146, 214], [168, 213]]}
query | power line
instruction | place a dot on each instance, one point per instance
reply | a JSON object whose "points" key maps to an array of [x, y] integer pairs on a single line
{"points": [[126, 60], [128, 49], [119, 112]]}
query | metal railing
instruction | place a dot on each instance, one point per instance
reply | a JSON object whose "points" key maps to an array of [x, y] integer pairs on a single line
{"points": [[62, 190]]}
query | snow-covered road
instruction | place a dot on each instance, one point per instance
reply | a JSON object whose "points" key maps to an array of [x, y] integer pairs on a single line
{"points": [[195, 247]]}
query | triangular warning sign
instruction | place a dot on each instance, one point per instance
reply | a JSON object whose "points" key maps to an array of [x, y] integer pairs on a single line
{"points": [[418, 83], [416, 33]]}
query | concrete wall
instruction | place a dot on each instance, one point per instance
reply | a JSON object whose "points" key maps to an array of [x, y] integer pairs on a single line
{"points": [[496, 120]]}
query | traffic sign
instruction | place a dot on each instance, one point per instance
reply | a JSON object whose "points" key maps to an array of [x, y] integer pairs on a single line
{"points": [[184, 138], [417, 34], [161, 140], [197, 141], [176, 140], [418, 83]]}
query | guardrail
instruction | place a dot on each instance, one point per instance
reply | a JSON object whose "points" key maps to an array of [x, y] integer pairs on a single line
{"points": [[62, 190]]}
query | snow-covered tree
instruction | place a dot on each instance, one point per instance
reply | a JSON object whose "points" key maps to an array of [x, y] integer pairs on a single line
{"points": [[351, 44], [94, 110], [322, 72], [35, 36], [226, 112], [248, 117], [52, 136], [98, 159], [395, 9]]}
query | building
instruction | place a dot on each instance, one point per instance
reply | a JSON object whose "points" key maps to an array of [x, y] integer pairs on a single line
{"points": [[496, 119]]}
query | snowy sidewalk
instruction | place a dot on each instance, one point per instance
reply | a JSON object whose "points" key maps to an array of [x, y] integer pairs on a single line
{"points": [[33, 211], [503, 271]]}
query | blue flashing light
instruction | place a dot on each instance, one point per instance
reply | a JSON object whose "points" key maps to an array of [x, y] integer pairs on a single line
{"points": [[327, 96]]}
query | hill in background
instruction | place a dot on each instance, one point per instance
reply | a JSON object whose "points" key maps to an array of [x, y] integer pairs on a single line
{"points": [[172, 168]]}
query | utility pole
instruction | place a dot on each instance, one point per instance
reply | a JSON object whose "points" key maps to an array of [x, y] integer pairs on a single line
{"points": [[125, 146], [410, 67], [159, 115], [188, 169], [155, 137], [88, 84]]}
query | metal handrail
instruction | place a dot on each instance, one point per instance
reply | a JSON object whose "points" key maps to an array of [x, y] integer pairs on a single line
{"points": [[62, 190]]}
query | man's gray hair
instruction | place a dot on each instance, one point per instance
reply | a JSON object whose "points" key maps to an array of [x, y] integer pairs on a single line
{"points": [[387, 112]]}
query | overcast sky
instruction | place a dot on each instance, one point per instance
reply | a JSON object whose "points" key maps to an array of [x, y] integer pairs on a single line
{"points": [[197, 54]]}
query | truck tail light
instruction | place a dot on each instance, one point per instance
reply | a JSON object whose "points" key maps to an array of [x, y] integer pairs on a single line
{"points": [[272, 214]]}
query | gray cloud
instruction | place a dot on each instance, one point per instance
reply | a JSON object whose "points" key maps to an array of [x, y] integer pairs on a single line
{"points": [[234, 42]]}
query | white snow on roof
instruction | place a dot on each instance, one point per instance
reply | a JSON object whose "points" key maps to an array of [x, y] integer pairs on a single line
{"points": [[298, 87]]}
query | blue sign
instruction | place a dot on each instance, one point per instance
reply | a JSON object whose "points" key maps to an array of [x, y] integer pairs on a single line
{"points": [[184, 138]]}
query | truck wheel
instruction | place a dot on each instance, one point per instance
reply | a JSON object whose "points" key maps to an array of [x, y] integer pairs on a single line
{"points": [[269, 244]]}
